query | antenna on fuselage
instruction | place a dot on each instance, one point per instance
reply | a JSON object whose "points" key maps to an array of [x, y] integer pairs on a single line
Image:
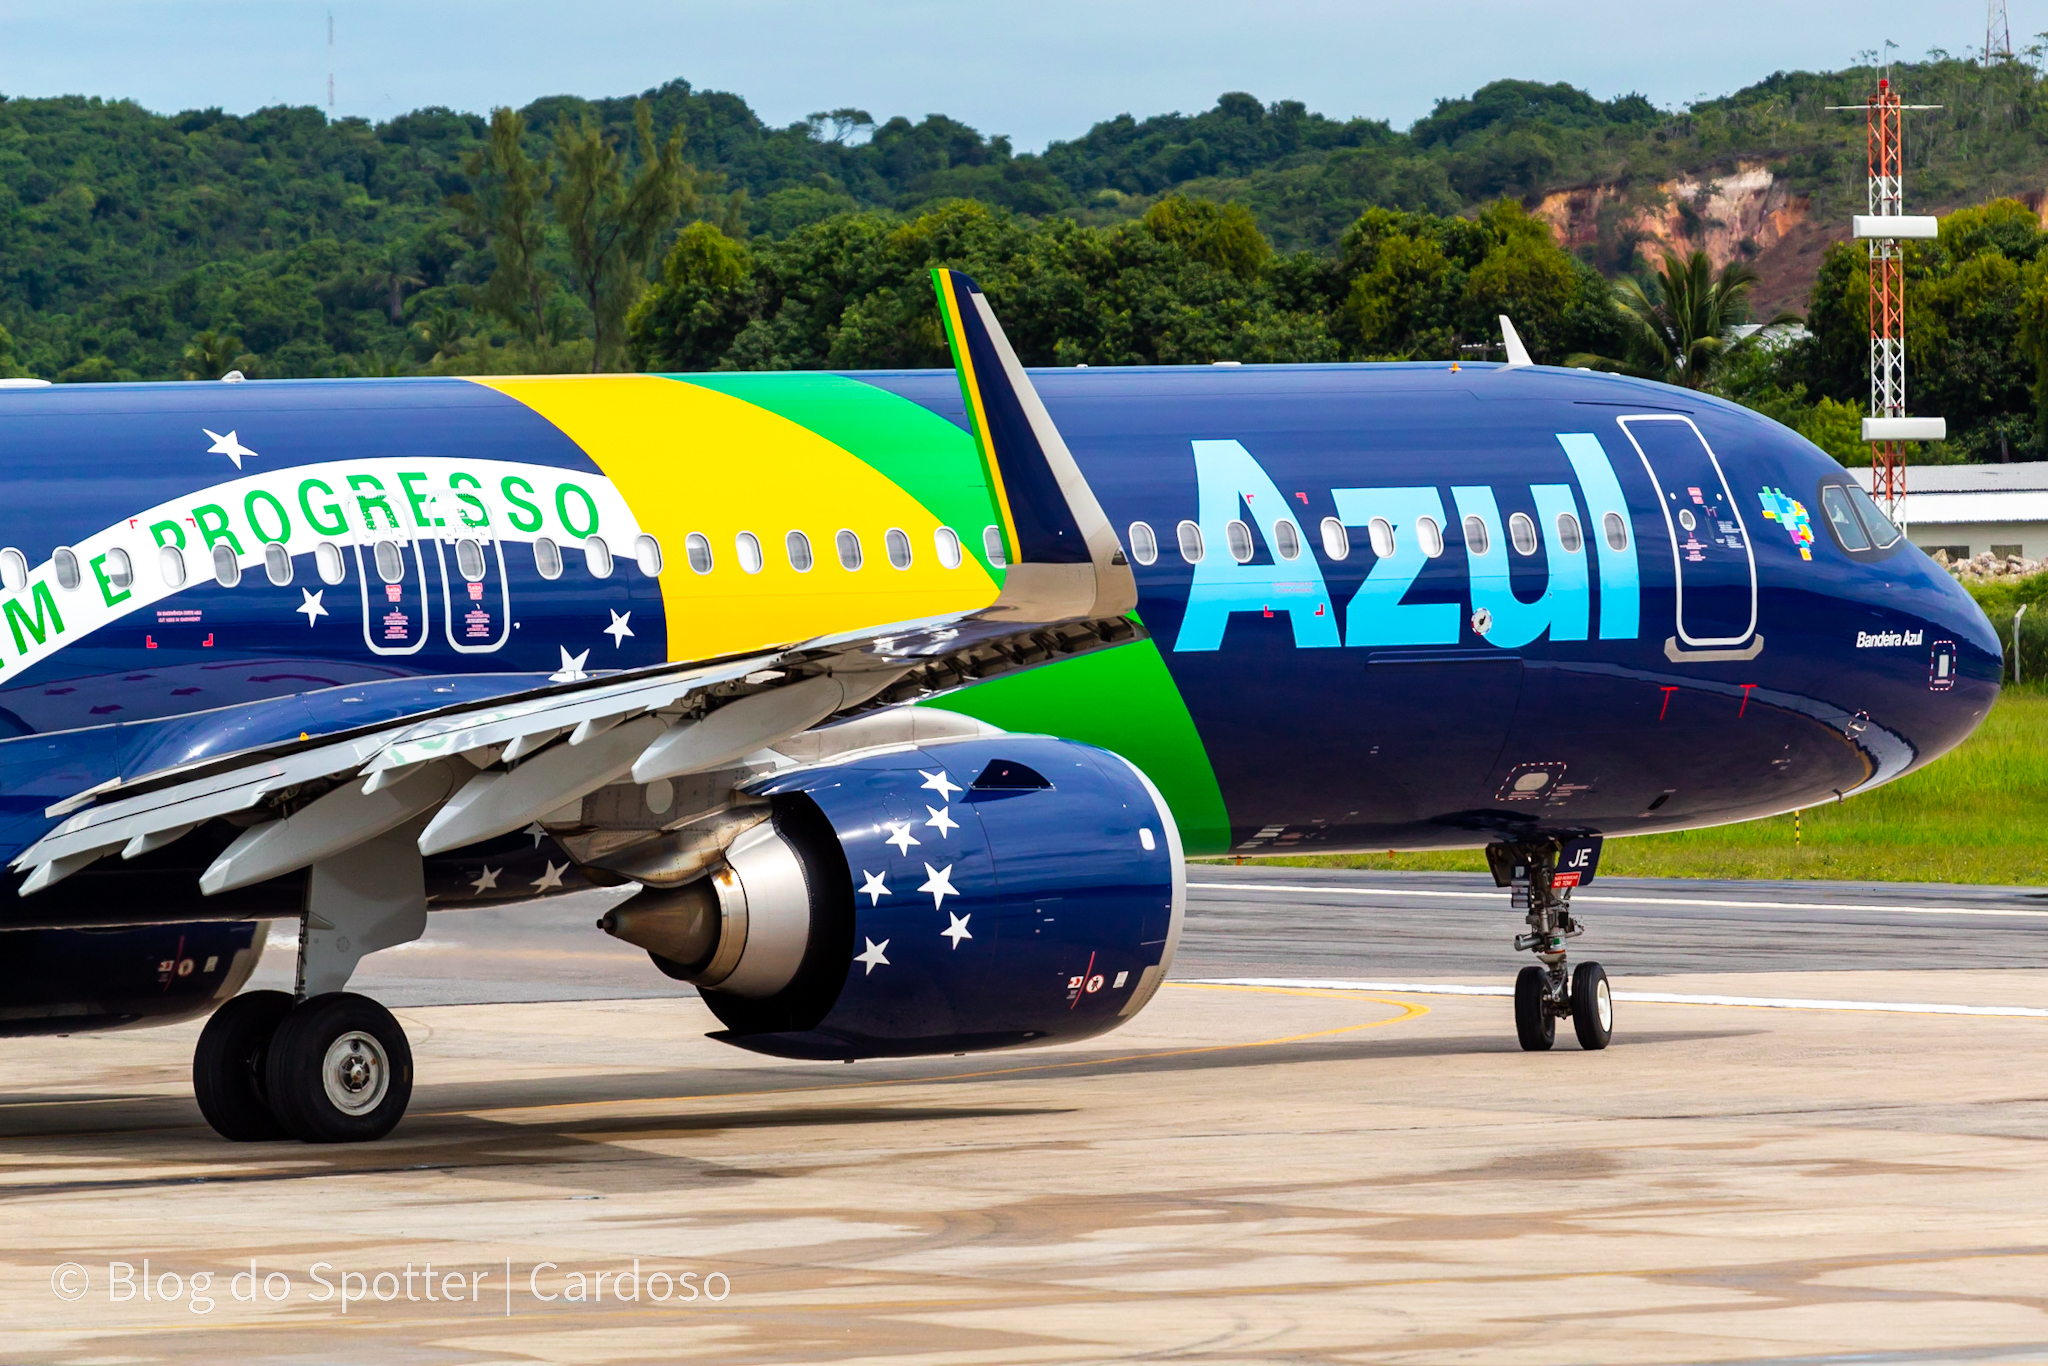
{"points": [[1518, 354]]}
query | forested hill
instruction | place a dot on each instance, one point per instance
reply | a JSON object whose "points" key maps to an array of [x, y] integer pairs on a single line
{"points": [[134, 244]]}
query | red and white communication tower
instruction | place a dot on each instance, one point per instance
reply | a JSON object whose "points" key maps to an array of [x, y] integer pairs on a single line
{"points": [[1884, 227]]}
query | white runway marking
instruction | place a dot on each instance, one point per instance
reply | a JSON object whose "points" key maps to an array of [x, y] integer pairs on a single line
{"points": [[1626, 900], [1672, 998]]}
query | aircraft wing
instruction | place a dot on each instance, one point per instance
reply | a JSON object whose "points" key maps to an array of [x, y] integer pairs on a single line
{"points": [[486, 768]]}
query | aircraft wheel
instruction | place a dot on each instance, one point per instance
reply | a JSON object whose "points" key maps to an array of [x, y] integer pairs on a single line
{"points": [[1535, 1026], [340, 1070], [228, 1077], [1592, 1006]]}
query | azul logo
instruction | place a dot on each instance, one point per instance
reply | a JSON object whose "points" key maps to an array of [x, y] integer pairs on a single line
{"points": [[352, 502], [1229, 477]]}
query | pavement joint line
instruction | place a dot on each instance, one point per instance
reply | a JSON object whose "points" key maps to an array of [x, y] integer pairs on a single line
{"points": [[2011, 912], [1670, 998]]}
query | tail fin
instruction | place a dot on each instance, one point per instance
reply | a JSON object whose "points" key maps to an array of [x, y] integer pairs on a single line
{"points": [[1065, 559]]}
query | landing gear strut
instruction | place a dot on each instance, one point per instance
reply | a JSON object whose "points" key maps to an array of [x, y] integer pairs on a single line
{"points": [[1542, 874], [321, 1064]]}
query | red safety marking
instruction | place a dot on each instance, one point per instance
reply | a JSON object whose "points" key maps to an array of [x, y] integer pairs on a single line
{"points": [[1667, 691], [1746, 687]]}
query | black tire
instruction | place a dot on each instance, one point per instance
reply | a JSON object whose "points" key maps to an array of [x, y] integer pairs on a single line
{"points": [[228, 1077], [340, 1070], [1592, 1007], [1535, 1026]]}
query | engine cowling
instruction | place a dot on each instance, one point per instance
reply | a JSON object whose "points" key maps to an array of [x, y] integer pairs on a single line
{"points": [[944, 898], [79, 981]]}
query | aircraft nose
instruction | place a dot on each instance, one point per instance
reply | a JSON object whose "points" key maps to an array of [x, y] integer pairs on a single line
{"points": [[1945, 633]]}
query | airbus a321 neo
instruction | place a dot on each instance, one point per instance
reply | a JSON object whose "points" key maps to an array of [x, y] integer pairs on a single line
{"points": [[900, 695]]}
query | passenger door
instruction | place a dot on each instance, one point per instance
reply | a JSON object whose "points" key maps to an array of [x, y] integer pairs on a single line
{"points": [[1714, 569]]}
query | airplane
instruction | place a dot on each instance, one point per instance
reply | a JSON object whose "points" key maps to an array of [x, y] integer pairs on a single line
{"points": [[901, 696]]}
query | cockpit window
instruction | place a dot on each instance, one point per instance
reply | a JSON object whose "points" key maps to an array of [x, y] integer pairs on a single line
{"points": [[1842, 518], [1882, 531]]}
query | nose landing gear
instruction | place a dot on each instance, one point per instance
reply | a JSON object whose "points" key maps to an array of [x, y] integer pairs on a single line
{"points": [[1541, 875]]}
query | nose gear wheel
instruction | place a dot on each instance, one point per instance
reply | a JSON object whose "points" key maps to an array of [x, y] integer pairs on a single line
{"points": [[1549, 990]]}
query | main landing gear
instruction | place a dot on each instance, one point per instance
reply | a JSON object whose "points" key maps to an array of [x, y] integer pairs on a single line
{"points": [[321, 1064], [1542, 874]]}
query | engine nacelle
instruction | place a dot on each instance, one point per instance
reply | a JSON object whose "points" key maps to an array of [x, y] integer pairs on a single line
{"points": [[79, 981], [972, 894]]}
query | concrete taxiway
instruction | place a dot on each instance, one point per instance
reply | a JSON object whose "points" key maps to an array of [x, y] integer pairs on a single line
{"points": [[1823, 1140]]}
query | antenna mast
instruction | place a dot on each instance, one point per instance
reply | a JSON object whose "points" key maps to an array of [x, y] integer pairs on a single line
{"points": [[1883, 228], [1997, 32]]}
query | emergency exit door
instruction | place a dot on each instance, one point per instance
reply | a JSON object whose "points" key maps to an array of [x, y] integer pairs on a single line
{"points": [[1714, 569]]}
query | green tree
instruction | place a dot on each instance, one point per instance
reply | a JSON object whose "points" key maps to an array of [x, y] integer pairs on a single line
{"points": [[1679, 322], [689, 320], [210, 354], [614, 225], [509, 192]]}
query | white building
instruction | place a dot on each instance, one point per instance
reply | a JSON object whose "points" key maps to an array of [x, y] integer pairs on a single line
{"points": [[1970, 509]]}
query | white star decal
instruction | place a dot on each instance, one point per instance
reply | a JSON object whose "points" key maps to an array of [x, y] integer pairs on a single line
{"points": [[875, 888], [900, 836], [552, 877], [311, 606], [227, 446], [487, 880], [939, 883], [941, 821], [939, 783], [874, 957], [572, 667], [538, 831], [619, 629], [956, 931]]}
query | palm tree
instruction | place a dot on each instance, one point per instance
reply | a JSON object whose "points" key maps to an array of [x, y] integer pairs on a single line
{"points": [[210, 354], [1678, 321]]}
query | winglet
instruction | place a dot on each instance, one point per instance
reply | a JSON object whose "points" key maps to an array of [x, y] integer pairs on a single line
{"points": [[1518, 354], [1065, 559]]}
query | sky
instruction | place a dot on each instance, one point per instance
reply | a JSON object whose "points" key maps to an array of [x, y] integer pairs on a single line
{"points": [[1037, 71]]}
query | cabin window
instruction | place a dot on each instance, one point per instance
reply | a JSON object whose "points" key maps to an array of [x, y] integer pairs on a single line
{"points": [[597, 557], [1336, 540], [747, 546], [1615, 527], [1568, 537], [898, 546], [170, 562], [277, 563], [120, 569], [647, 554], [947, 542], [1522, 533], [227, 569], [390, 561], [697, 550], [13, 569], [547, 558], [1144, 545], [1429, 534], [1380, 532], [799, 547], [1191, 548], [327, 559], [65, 559], [1477, 541], [992, 542], [469, 560], [1286, 539], [848, 545], [1238, 537]]}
